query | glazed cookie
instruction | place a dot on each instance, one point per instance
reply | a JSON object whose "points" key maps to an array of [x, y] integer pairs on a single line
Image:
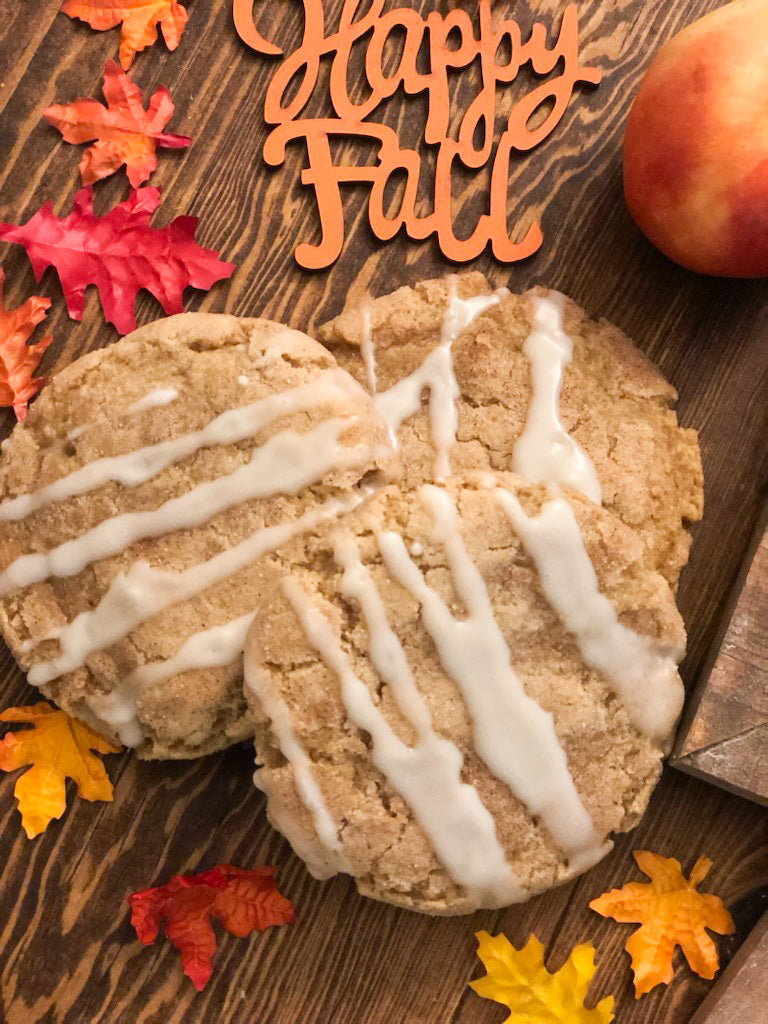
{"points": [[460, 692], [144, 505], [542, 390]]}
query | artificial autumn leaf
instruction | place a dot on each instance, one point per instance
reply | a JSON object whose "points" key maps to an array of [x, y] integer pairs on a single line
{"points": [[124, 131], [119, 253], [139, 18], [57, 747], [18, 360], [242, 900], [519, 980], [671, 913]]}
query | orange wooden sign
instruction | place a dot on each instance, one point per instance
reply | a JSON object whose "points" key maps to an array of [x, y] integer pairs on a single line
{"points": [[532, 119]]}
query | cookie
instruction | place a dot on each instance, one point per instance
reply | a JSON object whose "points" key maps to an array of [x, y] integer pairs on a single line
{"points": [[459, 692], [541, 389], [143, 507]]}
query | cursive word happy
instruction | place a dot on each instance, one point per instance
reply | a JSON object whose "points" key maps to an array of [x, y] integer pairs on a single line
{"points": [[450, 43]]}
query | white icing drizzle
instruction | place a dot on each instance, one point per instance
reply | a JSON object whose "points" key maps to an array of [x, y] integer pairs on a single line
{"points": [[142, 592], [545, 452], [242, 380], [513, 735], [117, 712], [309, 792], [138, 466], [285, 464], [436, 374], [210, 648], [643, 674], [428, 775], [322, 863], [153, 400]]}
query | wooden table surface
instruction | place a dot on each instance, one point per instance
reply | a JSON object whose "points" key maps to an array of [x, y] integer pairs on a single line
{"points": [[67, 950]]}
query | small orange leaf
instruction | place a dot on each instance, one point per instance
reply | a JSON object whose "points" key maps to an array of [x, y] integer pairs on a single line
{"points": [[124, 132], [57, 747], [139, 19], [18, 360], [671, 913]]}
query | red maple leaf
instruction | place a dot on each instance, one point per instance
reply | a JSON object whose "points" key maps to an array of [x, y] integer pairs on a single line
{"points": [[18, 360], [124, 132], [242, 900], [119, 253]]}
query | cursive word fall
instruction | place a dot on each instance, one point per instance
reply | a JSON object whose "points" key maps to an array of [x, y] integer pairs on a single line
{"points": [[451, 43]]}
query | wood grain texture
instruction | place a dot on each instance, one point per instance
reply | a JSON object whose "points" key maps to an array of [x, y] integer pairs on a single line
{"points": [[724, 737], [68, 955]]}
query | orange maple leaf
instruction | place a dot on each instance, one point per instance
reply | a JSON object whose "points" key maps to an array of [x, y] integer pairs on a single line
{"points": [[139, 18], [18, 360], [124, 131], [57, 747], [671, 913]]}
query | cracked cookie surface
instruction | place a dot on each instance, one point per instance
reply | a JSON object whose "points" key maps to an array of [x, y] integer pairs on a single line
{"points": [[116, 606], [613, 402], [329, 779]]}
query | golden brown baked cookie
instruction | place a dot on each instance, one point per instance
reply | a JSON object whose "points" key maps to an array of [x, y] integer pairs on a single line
{"points": [[459, 692], [144, 505], [613, 403]]}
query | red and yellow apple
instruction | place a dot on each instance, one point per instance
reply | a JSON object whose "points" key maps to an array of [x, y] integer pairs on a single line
{"points": [[696, 147]]}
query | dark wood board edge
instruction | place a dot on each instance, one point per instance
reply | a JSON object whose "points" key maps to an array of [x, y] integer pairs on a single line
{"points": [[741, 994], [731, 765], [732, 750]]}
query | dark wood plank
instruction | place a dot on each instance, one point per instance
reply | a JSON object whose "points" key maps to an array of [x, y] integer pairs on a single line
{"points": [[67, 954], [742, 992], [724, 737]]}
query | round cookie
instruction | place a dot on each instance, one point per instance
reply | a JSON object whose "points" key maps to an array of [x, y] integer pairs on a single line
{"points": [[613, 403], [143, 507], [459, 692]]}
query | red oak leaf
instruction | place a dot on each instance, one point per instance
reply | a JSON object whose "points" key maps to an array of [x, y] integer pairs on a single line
{"points": [[242, 900], [18, 360], [139, 19], [119, 253], [124, 131]]}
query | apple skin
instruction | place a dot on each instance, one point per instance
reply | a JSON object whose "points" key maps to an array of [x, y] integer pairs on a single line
{"points": [[696, 146]]}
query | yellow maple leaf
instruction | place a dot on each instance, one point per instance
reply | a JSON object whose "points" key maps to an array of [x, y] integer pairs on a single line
{"points": [[139, 18], [57, 747], [519, 980], [671, 913]]}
